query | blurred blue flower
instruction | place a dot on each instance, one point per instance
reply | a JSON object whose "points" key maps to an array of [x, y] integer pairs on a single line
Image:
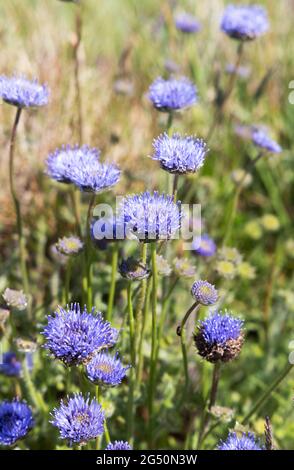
{"points": [[204, 293], [219, 337], [187, 23], [204, 245], [247, 441], [78, 419], [23, 93], [16, 419], [74, 336], [150, 217], [178, 154], [244, 22], [261, 138], [106, 370], [10, 365], [172, 94], [119, 445]]}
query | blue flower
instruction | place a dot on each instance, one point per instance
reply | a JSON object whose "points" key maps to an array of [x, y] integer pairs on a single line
{"points": [[16, 420], [95, 177], [172, 94], [78, 419], [119, 445], [219, 337], [74, 336], [261, 138], [105, 369], [22, 92], [10, 365], [150, 217], [61, 162], [178, 154], [244, 22], [204, 245], [187, 23], [204, 293], [247, 441]]}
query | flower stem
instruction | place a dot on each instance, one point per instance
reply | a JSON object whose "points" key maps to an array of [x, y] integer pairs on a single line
{"points": [[21, 240], [140, 348], [67, 281], [130, 430], [34, 394], [153, 343], [141, 298], [87, 278], [114, 261]]}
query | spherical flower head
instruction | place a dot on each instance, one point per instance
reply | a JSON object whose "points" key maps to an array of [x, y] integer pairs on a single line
{"points": [[15, 299], [106, 370], [262, 140], [150, 217], [74, 336], [69, 245], [16, 420], [133, 270], [178, 154], [10, 366], [119, 445], [270, 222], [204, 293], [172, 94], [23, 93], [247, 441], [79, 419], [204, 245], [61, 162], [219, 337], [244, 22], [231, 254], [183, 268], [94, 177], [187, 23]]}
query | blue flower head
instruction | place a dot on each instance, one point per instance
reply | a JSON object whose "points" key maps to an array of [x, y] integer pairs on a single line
{"points": [[78, 419], [10, 366], [106, 370], [187, 23], [74, 336], [95, 177], [22, 92], [261, 139], [244, 22], [178, 154], [150, 217], [204, 293], [172, 94], [16, 420], [219, 337], [247, 441], [204, 245], [119, 445]]}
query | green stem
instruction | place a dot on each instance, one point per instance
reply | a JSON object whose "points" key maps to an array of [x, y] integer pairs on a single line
{"points": [[187, 315], [67, 280], [153, 343], [130, 431], [87, 277], [114, 262], [34, 395], [265, 396], [140, 348], [141, 298]]}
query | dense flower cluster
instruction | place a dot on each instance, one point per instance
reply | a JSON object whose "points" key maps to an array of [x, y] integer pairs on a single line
{"points": [[16, 420], [105, 369], [172, 94], [119, 445], [247, 441], [23, 93], [204, 293], [244, 22]]}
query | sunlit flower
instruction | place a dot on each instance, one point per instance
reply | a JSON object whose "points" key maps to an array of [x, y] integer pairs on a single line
{"points": [[204, 293], [247, 441], [119, 445], [244, 22], [15, 299], [106, 370], [172, 94], [23, 93]]}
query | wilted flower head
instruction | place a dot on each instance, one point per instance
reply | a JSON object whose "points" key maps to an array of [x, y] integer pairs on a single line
{"points": [[74, 336], [246, 270], [244, 22], [15, 299], [172, 94], [163, 266], [150, 217], [133, 270], [226, 269], [247, 441], [183, 268], [178, 154], [22, 92], [16, 420], [119, 445], [231, 254], [10, 366], [25, 345], [79, 419], [241, 176], [106, 370], [204, 293], [253, 229], [270, 222], [261, 138], [57, 256], [204, 245], [219, 337], [69, 245], [187, 23]]}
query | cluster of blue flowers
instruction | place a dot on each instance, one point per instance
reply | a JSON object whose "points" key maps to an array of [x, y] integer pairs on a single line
{"points": [[16, 420]]}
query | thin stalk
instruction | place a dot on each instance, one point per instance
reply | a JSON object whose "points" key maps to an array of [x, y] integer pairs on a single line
{"points": [[75, 198], [114, 261], [153, 342], [34, 394], [67, 281], [187, 315], [175, 186], [98, 398], [265, 396], [87, 278], [130, 431], [141, 298], [21, 241], [140, 348]]}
